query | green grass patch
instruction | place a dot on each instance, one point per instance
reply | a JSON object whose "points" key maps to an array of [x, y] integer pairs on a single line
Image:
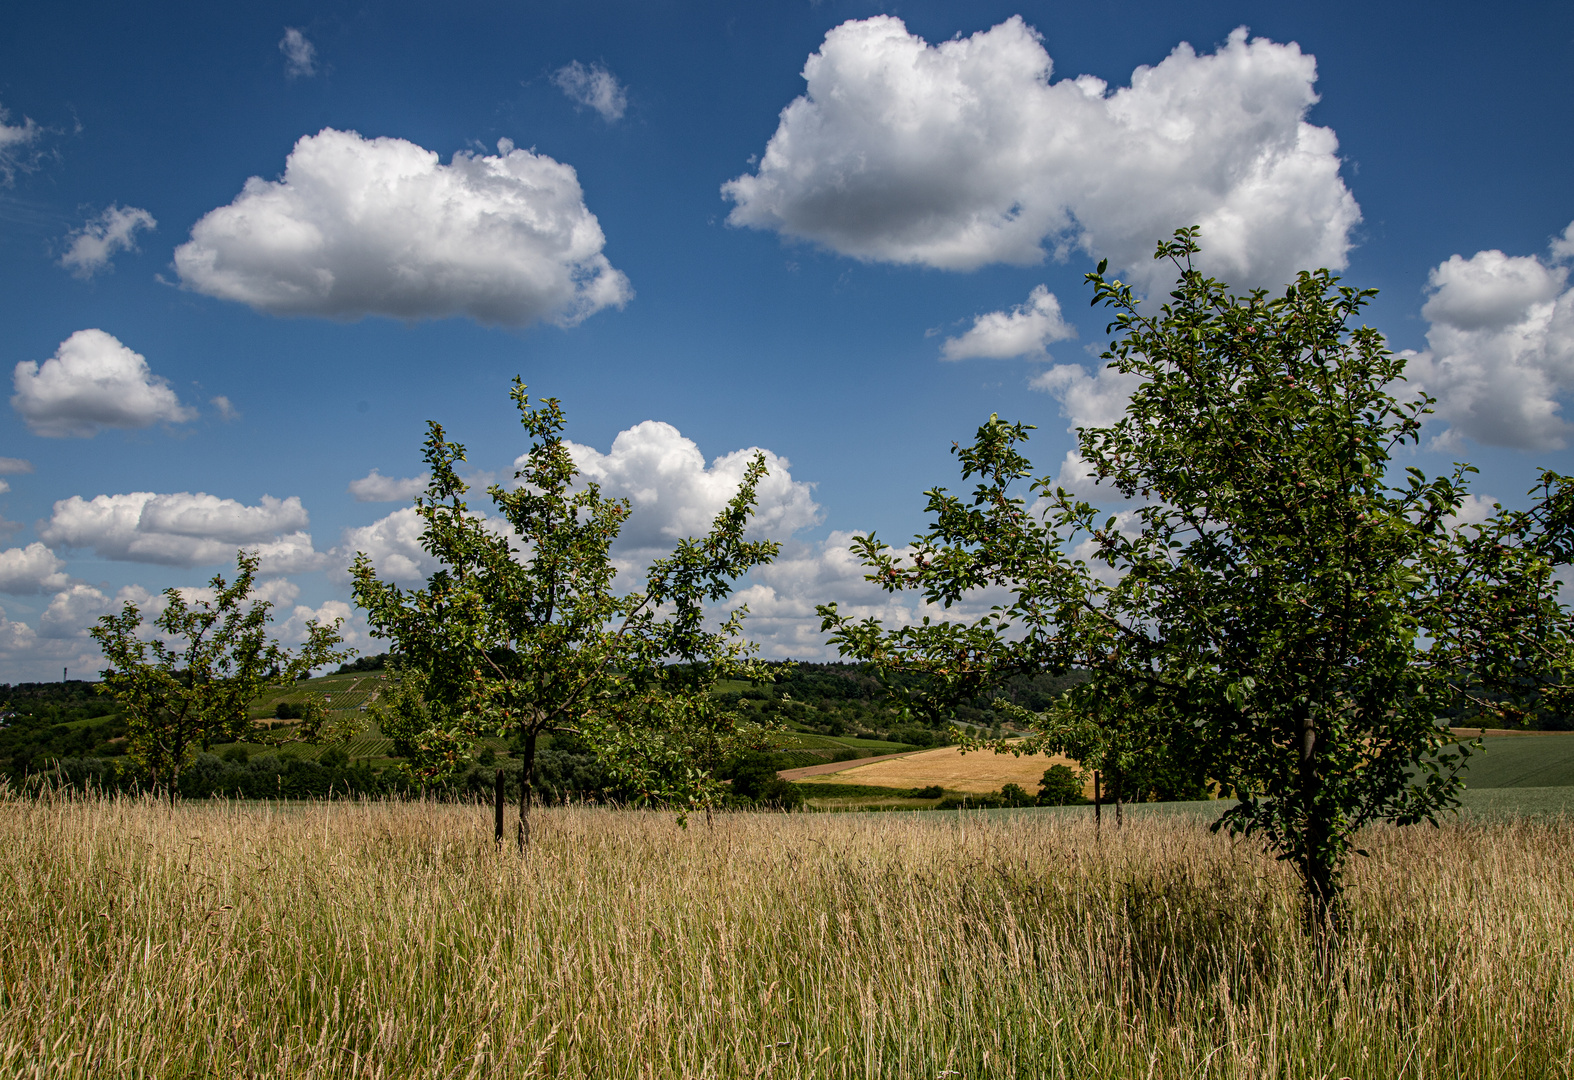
{"points": [[795, 740], [851, 791]]}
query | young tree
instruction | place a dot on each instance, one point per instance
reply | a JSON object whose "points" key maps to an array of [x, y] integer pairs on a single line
{"points": [[521, 632], [189, 685], [1272, 607]]}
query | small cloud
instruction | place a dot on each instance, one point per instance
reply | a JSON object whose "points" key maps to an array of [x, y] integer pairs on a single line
{"points": [[594, 86], [375, 487], [300, 55], [31, 570], [14, 142], [93, 382], [1022, 331], [11, 466], [1563, 245], [1097, 400], [95, 244], [227, 411]]}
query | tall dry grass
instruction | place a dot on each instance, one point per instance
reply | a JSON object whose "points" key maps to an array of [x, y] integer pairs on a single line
{"points": [[393, 940]]}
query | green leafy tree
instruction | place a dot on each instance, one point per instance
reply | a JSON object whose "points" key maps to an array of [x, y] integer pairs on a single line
{"points": [[1274, 610], [1061, 785], [190, 683], [521, 633]]}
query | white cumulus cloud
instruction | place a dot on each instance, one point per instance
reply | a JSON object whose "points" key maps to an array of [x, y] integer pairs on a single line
{"points": [[965, 153], [185, 529], [300, 55], [674, 494], [1500, 356], [27, 655], [781, 598], [93, 382], [672, 491], [72, 611], [1097, 400], [393, 544], [1023, 331], [380, 226], [375, 487], [352, 625], [33, 569], [95, 244], [593, 86]]}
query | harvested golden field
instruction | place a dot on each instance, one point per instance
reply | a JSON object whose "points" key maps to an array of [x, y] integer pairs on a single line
{"points": [[393, 940], [978, 771]]}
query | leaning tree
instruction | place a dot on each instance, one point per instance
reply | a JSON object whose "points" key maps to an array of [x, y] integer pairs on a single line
{"points": [[1275, 606], [522, 630]]}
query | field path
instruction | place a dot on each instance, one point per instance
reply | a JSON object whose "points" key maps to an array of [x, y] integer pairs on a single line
{"points": [[838, 766]]}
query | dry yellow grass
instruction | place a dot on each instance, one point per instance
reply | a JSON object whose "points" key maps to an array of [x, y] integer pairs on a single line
{"points": [[393, 940], [978, 771]]}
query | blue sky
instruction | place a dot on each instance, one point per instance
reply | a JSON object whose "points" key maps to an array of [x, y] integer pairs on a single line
{"points": [[925, 200]]}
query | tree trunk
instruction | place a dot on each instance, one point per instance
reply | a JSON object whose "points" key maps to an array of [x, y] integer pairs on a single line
{"points": [[1098, 802], [526, 791], [498, 803], [1317, 870]]}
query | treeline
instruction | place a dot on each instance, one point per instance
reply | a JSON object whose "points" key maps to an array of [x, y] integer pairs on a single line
{"points": [[850, 699]]}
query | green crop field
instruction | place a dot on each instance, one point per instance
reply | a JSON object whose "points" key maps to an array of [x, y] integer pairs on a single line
{"points": [[1515, 761]]}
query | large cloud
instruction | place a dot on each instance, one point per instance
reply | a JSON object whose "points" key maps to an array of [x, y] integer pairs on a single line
{"points": [[1023, 331], [185, 529], [381, 227], [965, 153], [1501, 350], [93, 382], [675, 494], [33, 569]]}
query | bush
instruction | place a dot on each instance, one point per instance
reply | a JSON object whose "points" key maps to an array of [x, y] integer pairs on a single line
{"points": [[288, 710], [1015, 795], [933, 791]]}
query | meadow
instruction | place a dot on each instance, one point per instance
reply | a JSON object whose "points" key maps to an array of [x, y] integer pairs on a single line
{"points": [[392, 939]]}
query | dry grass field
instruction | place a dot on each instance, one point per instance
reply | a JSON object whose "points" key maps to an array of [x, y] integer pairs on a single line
{"points": [[393, 940], [978, 771]]}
